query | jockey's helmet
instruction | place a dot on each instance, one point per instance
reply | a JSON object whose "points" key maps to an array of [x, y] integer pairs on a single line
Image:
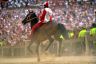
{"points": [[46, 4]]}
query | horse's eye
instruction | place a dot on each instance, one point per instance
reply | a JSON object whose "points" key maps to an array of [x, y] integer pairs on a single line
{"points": [[28, 17]]}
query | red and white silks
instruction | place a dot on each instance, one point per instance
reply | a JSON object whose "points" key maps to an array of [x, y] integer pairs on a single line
{"points": [[45, 16]]}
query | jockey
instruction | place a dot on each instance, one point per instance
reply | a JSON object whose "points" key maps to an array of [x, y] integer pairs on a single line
{"points": [[44, 17]]}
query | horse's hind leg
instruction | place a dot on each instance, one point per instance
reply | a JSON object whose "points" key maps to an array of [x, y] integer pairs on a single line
{"points": [[59, 45], [49, 38], [37, 50], [50, 42], [29, 47], [59, 48]]}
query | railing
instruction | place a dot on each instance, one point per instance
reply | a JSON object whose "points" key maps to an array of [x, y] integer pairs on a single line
{"points": [[13, 51], [83, 46]]}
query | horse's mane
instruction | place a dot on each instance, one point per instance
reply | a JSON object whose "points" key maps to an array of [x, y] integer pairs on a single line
{"points": [[32, 18]]}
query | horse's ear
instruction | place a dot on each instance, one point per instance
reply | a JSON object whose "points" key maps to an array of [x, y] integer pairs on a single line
{"points": [[28, 11]]}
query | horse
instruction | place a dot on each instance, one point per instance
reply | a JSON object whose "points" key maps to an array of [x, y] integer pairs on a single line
{"points": [[50, 31]]}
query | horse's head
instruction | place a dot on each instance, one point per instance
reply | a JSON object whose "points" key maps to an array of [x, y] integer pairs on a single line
{"points": [[31, 17]]}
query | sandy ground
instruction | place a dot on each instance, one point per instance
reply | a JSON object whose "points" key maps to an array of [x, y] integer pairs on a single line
{"points": [[51, 60]]}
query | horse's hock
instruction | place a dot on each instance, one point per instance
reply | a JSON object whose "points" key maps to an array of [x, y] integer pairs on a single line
{"points": [[72, 47]]}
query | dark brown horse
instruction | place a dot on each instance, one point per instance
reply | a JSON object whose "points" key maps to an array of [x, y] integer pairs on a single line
{"points": [[48, 31]]}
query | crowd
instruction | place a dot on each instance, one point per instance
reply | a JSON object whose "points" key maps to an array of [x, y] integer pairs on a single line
{"points": [[17, 3], [76, 15], [72, 16]]}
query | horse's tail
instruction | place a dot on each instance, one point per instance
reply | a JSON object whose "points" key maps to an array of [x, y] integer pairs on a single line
{"points": [[63, 31], [93, 25]]}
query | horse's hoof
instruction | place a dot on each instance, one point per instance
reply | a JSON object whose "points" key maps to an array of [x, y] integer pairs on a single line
{"points": [[59, 55], [46, 52], [38, 59]]}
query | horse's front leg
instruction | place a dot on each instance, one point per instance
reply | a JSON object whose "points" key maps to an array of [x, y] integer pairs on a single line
{"points": [[50, 42], [29, 47], [38, 53]]}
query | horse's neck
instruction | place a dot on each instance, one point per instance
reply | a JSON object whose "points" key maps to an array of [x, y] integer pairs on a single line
{"points": [[32, 23]]}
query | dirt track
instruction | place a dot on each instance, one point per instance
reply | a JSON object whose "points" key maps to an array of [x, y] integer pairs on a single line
{"points": [[51, 60]]}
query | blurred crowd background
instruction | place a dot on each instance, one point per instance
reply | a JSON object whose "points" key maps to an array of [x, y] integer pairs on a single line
{"points": [[72, 13]]}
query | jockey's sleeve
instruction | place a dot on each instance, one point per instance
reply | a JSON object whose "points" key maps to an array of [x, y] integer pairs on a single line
{"points": [[43, 16]]}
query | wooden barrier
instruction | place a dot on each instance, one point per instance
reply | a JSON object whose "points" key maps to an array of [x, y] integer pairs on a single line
{"points": [[69, 47]]}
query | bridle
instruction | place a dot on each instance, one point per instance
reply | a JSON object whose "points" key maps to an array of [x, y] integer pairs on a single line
{"points": [[30, 19]]}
